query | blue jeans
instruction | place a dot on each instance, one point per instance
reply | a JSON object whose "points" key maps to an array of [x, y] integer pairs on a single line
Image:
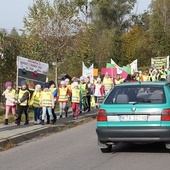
{"points": [[49, 112], [37, 113], [83, 103]]}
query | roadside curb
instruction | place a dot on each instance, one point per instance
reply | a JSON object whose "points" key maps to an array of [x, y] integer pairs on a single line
{"points": [[43, 131]]}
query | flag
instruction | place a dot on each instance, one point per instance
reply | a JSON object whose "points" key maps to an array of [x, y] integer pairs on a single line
{"points": [[115, 65], [88, 72], [134, 65]]}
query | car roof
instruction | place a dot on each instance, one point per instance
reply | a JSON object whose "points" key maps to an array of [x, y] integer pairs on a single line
{"points": [[162, 83]]}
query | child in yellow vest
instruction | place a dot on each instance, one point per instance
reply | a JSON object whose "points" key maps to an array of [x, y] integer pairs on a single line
{"points": [[107, 82], [9, 94], [47, 103], [118, 79], [23, 103], [75, 99], [62, 98], [53, 88], [83, 91], [68, 85], [35, 102]]}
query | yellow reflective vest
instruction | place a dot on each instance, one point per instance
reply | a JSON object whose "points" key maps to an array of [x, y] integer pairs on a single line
{"points": [[75, 95], [53, 89], [107, 82], [11, 94], [46, 98], [83, 89], [162, 74], [63, 96], [21, 94], [35, 100], [119, 81]]}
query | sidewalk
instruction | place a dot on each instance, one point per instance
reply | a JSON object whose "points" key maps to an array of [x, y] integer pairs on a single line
{"points": [[17, 134]]}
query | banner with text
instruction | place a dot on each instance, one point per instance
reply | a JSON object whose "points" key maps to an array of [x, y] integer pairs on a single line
{"points": [[158, 62], [34, 72]]}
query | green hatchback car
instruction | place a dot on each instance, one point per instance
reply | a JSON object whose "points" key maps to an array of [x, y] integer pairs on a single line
{"points": [[137, 112]]}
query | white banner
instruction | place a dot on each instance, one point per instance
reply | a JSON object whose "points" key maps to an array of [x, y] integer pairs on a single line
{"points": [[118, 67], [34, 72], [88, 72], [134, 65], [32, 65]]}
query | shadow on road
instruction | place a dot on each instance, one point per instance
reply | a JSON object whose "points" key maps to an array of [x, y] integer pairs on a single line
{"points": [[144, 148]]}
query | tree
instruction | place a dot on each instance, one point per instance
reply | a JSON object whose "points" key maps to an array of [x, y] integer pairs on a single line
{"points": [[10, 48], [114, 14], [160, 26], [51, 27]]}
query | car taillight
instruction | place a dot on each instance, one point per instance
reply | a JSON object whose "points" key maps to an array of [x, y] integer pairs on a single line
{"points": [[165, 115], [101, 116]]}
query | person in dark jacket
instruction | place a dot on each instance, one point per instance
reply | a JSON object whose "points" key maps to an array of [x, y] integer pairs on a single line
{"points": [[23, 103]]}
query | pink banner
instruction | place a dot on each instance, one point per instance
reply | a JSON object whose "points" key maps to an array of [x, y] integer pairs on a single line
{"points": [[113, 71], [124, 74]]}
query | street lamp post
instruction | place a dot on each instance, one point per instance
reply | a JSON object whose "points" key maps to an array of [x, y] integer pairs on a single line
{"points": [[56, 73]]}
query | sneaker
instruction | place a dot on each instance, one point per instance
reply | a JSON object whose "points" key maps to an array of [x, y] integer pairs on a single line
{"points": [[42, 122], [52, 121], [85, 108], [35, 123], [17, 123], [47, 122], [38, 121], [26, 122], [75, 118]]}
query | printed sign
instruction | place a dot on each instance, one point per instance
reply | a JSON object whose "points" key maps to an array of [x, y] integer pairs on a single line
{"points": [[34, 72], [158, 62]]}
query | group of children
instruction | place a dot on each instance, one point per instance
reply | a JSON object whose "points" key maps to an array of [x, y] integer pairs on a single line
{"points": [[44, 99]]}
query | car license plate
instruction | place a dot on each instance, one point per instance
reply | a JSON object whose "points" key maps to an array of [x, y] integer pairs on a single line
{"points": [[133, 117]]}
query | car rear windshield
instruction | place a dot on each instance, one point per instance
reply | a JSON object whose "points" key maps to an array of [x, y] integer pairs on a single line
{"points": [[136, 94]]}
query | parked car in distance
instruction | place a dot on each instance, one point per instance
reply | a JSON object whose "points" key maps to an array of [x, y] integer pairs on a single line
{"points": [[136, 112]]}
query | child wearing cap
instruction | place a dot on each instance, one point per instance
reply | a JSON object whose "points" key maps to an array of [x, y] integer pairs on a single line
{"points": [[75, 99], [47, 103], [23, 103], [9, 94], [62, 98], [35, 102], [52, 87], [83, 90], [98, 91], [68, 85]]}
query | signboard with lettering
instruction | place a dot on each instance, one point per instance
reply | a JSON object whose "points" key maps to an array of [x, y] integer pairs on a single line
{"points": [[34, 72], [158, 62]]}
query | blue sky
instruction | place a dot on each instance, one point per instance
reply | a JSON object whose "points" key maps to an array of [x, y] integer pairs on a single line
{"points": [[13, 11]]}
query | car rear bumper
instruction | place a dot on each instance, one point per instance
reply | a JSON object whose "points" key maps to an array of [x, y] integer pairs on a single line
{"points": [[133, 134]]}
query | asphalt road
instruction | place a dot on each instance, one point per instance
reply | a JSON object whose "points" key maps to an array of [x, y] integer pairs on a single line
{"points": [[76, 149]]}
